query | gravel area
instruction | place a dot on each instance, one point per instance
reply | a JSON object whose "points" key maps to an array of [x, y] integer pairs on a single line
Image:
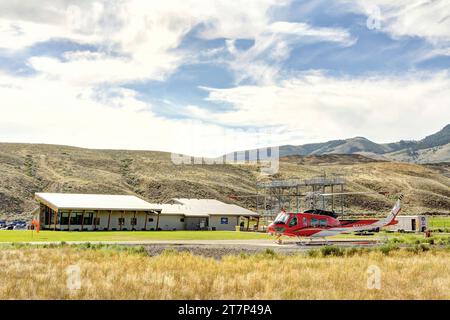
{"points": [[220, 251]]}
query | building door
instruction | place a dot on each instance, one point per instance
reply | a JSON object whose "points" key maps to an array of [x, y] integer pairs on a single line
{"points": [[413, 224]]}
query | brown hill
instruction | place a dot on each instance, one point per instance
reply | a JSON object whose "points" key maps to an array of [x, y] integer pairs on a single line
{"points": [[28, 168], [434, 148]]}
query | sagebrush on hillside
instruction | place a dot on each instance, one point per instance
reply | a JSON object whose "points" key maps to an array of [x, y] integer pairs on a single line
{"points": [[27, 168]]}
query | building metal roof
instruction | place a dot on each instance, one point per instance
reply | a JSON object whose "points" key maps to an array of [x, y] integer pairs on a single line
{"points": [[205, 207], [94, 201], [179, 206], [171, 209]]}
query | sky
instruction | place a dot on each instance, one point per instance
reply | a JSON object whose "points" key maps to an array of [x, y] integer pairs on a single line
{"points": [[209, 77]]}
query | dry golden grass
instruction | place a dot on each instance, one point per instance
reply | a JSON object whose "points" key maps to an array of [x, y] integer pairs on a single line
{"points": [[40, 273]]}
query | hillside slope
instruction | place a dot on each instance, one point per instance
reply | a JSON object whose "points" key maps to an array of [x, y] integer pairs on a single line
{"points": [[432, 149], [26, 169]]}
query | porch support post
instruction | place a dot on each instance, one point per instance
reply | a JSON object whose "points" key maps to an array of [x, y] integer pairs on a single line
{"points": [[54, 219], [109, 218], [94, 220], [157, 220], [82, 220], [145, 223]]}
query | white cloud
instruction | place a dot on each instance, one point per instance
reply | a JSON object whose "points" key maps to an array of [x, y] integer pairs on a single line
{"points": [[320, 107], [426, 19], [137, 40], [43, 110], [261, 62]]}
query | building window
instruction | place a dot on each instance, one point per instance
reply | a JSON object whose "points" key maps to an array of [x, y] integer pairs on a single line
{"points": [[133, 221], [97, 221], [121, 221], [48, 215], [88, 216], [150, 219], [182, 220], [64, 218], [75, 219], [224, 220]]}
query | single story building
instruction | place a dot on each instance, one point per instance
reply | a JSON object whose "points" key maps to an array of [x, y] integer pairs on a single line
{"points": [[83, 212], [416, 223], [86, 212], [211, 214]]}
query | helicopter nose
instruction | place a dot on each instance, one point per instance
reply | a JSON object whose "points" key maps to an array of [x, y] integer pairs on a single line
{"points": [[276, 229], [279, 229]]}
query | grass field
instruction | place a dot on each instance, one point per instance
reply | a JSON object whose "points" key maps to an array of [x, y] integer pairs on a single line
{"points": [[17, 236], [439, 222], [45, 236], [74, 273]]}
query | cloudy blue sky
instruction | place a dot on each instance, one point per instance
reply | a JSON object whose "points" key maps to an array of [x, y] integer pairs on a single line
{"points": [[208, 77]]}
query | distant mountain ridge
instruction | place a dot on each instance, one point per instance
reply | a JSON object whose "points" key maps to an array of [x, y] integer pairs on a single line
{"points": [[432, 149]]}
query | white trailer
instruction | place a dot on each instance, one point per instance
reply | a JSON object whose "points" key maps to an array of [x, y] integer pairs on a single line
{"points": [[418, 223]]}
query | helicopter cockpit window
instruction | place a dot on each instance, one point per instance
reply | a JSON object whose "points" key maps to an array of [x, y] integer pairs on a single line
{"points": [[281, 218], [293, 221]]}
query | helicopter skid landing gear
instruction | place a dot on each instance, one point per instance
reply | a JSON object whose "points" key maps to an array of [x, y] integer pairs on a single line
{"points": [[278, 240], [303, 242]]}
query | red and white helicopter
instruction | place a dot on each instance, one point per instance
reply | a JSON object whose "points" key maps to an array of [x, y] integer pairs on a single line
{"points": [[320, 223]]}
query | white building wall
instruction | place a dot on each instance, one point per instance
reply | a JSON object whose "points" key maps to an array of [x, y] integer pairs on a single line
{"points": [[194, 223], [140, 221], [405, 223], [151, 222], [171, 222], [217, 222], [115, 215], [103, 223]]}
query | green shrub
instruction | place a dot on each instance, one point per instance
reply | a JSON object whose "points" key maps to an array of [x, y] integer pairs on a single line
{"points": [[332, 251], [397, 240], [269, 252], [313, 253], [243, 255], [352, 251], [138, 250], [419, 248], [387, 248]]}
